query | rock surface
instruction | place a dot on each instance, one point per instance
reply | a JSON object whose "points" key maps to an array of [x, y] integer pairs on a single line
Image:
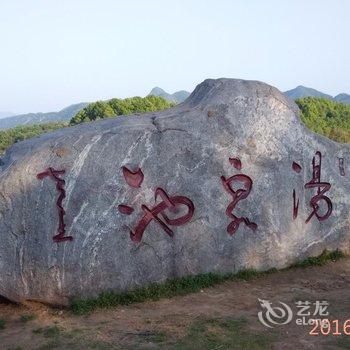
{"points": [[185, 151]]}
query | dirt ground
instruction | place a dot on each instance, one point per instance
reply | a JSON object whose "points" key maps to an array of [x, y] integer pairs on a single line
{"points": [[222, 317]]}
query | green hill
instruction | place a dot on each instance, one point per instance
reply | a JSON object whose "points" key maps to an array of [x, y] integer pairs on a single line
{"points": [[326, 117]]}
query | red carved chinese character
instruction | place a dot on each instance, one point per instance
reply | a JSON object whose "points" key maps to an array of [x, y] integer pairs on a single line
{"points": [[133, 178], [237, 196], [173, 204], [54, 174], [297, 168], [322, 188], [236, 162], [295, 206]]}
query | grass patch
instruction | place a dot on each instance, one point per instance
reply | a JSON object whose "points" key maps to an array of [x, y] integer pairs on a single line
{"points": [[27, 318], [184, 285], [160, 337], [48, 332], [2, 323], [75, 339], [227, 333], [155, 337], [320, 260]]}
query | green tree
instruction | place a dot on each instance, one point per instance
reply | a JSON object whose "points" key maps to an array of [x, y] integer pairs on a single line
{"points": [[20, 133], [116, 106], [326, 117], [93, 111]]}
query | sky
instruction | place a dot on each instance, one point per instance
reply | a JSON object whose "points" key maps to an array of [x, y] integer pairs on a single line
{"points": [[55, 53]]}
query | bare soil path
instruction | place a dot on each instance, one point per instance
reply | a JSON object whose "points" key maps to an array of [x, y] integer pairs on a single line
{"points": [[222, 317]]}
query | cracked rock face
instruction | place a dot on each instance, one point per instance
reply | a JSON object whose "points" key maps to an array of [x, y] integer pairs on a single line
{"points": [[206, 187]]}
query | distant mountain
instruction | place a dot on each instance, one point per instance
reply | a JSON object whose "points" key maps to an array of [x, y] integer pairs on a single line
{"points": [[176, 97], [35, 118], [344, 98], [299, 92], [6, 114], [181, 95], [303, 91]]}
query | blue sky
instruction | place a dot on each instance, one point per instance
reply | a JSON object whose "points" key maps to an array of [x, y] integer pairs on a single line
{"points": [[54, 53]]}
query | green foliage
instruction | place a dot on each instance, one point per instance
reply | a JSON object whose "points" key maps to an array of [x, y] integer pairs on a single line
{"points": [[48, 332], [20, 133], [321, 259], [2, 323], [326, 117], [93, 111], [27, 318], [184, 285], [115, 106]]}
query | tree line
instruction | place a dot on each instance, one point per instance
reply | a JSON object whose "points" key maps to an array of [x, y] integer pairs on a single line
{"points": [[116, 106], [19, 133]]}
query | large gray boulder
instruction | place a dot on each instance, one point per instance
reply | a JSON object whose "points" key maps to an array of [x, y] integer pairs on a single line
{"points": [[224, 165]]}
